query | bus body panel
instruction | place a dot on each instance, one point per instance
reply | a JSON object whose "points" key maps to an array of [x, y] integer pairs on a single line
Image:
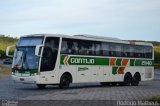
{"points": [[104, 72]]}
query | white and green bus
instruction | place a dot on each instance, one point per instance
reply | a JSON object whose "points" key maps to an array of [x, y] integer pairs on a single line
{"points": [[45, 59]]}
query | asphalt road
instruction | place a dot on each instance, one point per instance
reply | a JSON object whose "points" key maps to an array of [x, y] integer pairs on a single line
{"points": [[10, 90], [91, 91]]}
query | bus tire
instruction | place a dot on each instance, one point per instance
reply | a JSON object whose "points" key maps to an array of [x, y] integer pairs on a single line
{"points": [[65, 81], [105, 83], [135, 80], [41, 86], [127, 79]]}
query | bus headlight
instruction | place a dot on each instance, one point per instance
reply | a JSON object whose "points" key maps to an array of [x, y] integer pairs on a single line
{"points": [[13, 73]]}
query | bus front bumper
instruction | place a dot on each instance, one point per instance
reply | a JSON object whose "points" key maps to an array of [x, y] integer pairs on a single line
{"points": [[27, 79]]}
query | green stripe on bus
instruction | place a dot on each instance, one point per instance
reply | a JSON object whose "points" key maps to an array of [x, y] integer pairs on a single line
{"points": [[118, 62], [132, 62], [79, 60], [86, 60], [62, 59], [114, 70]]}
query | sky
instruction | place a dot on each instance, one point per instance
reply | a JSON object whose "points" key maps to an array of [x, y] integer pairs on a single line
{"points": [[124, 19]]}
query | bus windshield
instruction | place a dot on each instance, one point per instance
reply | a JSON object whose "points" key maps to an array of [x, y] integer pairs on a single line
{"points": [[24, 57]]}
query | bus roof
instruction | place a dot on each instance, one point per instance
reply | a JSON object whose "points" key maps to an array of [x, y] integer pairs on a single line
{"points": [[91, 37]]}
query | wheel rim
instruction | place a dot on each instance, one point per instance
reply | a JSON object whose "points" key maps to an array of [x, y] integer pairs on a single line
{"points": [[65, 81]]}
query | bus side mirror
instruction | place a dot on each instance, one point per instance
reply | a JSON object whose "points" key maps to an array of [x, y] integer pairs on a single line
{"points": [[38, 50], [8, 49]]}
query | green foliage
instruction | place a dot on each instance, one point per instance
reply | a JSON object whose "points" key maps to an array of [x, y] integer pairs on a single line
{"points": [[4, 42], [157, 56], [155, 98]]}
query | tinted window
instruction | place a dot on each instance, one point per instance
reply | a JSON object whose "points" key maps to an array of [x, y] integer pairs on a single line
{"points": [[147, 52], [128, 51], [64, 47], [86, 48], [70, 47], [138, 51], [97, 48], [75, 47], [115, 50], [105, 49]]}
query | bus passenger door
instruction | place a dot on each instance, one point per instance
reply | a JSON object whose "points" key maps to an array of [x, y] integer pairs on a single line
{"points": [[48, 60]]}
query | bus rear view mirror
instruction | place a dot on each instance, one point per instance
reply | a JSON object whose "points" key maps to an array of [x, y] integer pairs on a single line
{"points": [[8, 50], [38, 50]]}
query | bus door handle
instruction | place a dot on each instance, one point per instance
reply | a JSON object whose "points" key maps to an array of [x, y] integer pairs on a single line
{"points": [[94, 74]]}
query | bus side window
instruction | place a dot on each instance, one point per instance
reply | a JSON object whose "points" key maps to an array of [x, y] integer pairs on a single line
{"points": [[128, 51], [138, 51], [118, 50], [131, 54], [75, 48], [91, 47], [147, 52], [64, 47], [97, 49], [112, 51], [83, 49], [105, 49], [86, 48], [69, 44]]}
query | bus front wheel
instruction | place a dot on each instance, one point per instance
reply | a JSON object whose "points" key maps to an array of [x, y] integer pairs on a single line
{"points": [[65, 81]]}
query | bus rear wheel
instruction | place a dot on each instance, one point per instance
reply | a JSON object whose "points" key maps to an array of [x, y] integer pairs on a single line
{"points": [[127, 80], [135, 80], [41, 86], [65, 81]]}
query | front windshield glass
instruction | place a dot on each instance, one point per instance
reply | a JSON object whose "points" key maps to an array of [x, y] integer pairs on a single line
{"points": [[25, 57]]}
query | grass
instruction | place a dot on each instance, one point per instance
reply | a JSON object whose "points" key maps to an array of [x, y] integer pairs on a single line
{"points": [[157, 48], [157, 56], [157, 65], [155, 98], [5, 70]]}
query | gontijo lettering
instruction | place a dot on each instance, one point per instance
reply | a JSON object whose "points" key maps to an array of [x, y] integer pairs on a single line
{"points": [[82, 61]]}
